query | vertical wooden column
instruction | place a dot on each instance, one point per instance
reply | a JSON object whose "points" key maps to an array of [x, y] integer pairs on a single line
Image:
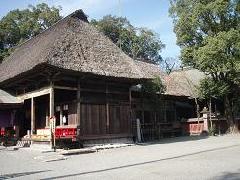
{"points": [[51, 113], [107, 110], [32, 116], [155, 117], [47, 117], [142, 102], [165, 111], [131, 111], [78, 103], [130, 98], [61, 116], [51, 101]]}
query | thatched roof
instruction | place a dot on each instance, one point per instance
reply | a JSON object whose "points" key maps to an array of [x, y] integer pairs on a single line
{"points": [[183, 82], [71, 44], [150, 70], [6, 98]]}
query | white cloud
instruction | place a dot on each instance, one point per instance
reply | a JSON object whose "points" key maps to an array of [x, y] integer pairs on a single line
{"points": [[90, 7], [98, 8], [154, 24]]}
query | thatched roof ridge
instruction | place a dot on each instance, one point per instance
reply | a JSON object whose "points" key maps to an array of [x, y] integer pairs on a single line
{"points": [[6, 98], [184, 82], [71, 44]]}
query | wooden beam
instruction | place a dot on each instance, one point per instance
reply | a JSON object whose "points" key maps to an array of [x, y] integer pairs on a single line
{"points": [[78, 103], [37, 93], [88, 90], [102, 91], [65, 88], [32, 116], [65, 78]]}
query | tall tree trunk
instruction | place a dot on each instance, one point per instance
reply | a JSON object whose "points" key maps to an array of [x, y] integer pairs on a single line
{"points": [[232, 124]]}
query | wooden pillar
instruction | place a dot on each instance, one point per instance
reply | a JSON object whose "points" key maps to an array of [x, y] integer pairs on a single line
{"points": [[51, 102], [142, 102], [107, 109], [131, 111], [61, 115], [47, 117], [32, 116], [78, 103], [130, 98], [51, 114], [155, 117], [165, 111]]}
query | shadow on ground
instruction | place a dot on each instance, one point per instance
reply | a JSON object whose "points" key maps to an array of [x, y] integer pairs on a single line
{"points": [[138, 164], [15, 175], [174, 140], [229, 176]]}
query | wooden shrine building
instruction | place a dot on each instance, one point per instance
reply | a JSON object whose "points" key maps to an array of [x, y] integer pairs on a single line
{"points": [[75, 73]]}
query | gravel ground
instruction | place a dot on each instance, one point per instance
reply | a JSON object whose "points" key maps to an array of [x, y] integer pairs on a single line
{"points": [[175, 158]]}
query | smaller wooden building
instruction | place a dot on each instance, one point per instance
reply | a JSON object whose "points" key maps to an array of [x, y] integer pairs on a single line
{"points": [[9, 107]]}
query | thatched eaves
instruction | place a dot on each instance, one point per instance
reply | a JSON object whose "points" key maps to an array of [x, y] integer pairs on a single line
{"points": [[71, 44]]}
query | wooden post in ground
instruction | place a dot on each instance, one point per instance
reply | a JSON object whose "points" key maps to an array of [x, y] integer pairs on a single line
{"points": [[139, 134], [51, 112]]}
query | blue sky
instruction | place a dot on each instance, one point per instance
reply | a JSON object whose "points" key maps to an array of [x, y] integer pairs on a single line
{"points": [[152, 14]]}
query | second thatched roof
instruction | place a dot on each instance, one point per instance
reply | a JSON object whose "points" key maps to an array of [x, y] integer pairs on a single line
{"points": [[184, 82]]}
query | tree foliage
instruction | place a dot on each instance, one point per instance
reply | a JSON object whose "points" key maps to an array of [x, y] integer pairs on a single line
{"points": [[153, 90], [212, 89], [138, 43], [208, 33], [20, 25], [155, 86]]}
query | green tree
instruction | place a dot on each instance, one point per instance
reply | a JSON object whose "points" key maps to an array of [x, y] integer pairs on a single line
{"points": [[138, 43], [153, 89], [208, 33], [20, 25]]}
